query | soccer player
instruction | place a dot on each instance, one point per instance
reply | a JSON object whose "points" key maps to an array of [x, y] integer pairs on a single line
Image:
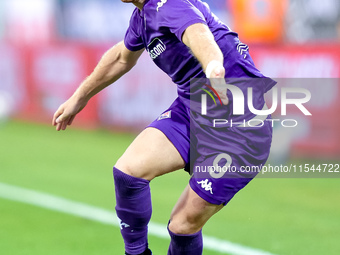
{"points": [[186, 41]]}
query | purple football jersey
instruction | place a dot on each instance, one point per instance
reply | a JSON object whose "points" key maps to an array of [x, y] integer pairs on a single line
{"points": [[159, 27]]}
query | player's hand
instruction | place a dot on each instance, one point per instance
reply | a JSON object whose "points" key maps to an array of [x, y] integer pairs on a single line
{"points": [[218, 83], [66, 112]]}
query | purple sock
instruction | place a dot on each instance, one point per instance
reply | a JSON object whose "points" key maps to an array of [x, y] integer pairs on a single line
{"points": [[133, 207], [185, 244]]}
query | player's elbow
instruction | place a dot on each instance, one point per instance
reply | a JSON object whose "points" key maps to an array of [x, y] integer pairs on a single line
{"points": [[127, 65]]}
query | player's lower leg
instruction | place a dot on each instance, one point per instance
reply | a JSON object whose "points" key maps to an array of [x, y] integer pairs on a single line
{"points": [[133, 207], [189, 244], [186, 222]]}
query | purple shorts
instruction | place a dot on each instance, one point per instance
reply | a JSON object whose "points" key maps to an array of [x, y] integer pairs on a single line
{"points": [[221, 160]]}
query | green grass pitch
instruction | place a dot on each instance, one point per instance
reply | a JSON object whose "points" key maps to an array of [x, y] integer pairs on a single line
{"points": [[282, 216]]}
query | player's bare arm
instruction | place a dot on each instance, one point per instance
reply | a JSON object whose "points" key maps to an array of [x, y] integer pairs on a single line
{"points": [[201, 42], [115, 62]]}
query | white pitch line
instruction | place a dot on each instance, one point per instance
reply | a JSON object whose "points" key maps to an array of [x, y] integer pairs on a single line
{"points": [[89, 212]]}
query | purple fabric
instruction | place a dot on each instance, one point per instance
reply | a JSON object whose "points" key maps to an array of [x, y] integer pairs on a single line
{"points": [[200, 144], [133, 207], [237, 149], [185, 244], [176, 127], [159, 30]]}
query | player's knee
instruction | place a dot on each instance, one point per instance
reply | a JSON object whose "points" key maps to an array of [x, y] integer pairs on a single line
{"points": [[133, 168], [185, 227], [125, 167]]}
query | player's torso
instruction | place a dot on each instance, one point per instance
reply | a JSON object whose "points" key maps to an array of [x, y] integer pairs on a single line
{"points": [[164, 48], [172, 56]]}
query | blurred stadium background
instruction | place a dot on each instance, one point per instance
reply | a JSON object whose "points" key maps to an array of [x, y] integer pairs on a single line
{"points": [[47, 47]]}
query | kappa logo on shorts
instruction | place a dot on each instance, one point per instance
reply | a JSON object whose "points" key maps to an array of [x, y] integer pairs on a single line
{"points": [[166, 115], [206, 185]]}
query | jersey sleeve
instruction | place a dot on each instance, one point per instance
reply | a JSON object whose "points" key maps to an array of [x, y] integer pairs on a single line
{"points": [[178, 16], [133, 40]]}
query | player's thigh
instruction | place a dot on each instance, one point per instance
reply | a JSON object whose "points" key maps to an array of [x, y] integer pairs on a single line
{"points": [[151, 154], [191, 212]]}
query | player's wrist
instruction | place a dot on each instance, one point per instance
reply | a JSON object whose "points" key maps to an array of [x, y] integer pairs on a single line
{"points": [[81, 96], [211, 67]]}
